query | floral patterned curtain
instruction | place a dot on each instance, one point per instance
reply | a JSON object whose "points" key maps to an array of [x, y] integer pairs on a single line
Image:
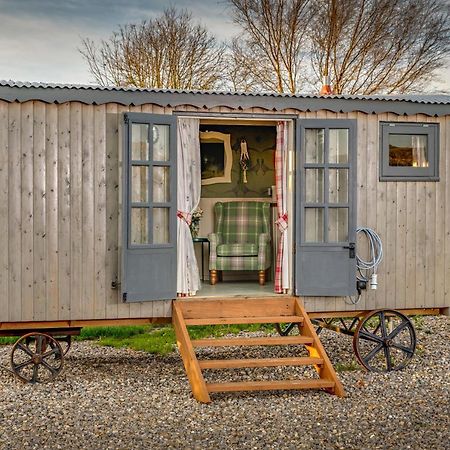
{"points": [[188, 198]]}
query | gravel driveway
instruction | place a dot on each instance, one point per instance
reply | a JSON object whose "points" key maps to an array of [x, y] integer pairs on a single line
{"points": [[122, 399]]}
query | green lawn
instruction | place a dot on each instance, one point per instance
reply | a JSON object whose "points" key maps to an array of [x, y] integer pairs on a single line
{"points": [[152, 338]]}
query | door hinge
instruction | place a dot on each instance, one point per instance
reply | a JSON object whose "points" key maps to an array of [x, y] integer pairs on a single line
{"points": [[124, 297]]}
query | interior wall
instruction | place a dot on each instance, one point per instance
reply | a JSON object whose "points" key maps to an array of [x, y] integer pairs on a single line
{"points": [[261, 141]]}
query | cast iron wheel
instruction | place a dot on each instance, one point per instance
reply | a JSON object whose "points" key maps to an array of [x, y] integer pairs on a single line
{"points": [[36, 358], [285, 328], [384, 340]]}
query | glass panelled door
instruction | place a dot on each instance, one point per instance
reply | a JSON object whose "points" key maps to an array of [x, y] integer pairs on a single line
{"points": [[326, 219], [149, 180]]}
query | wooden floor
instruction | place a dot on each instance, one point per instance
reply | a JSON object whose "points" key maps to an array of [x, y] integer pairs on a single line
{"points": [[235, 289], [275, 309]]}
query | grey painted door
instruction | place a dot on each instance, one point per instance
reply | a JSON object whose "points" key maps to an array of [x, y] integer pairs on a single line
{"points": [[326, 208], [149, 204]]}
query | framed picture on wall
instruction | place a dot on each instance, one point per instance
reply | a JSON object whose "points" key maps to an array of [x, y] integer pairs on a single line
{"points": [[216, 157]]}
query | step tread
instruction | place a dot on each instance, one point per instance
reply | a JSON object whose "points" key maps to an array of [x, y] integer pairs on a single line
{"points": [[258, 362], [269, 385], [248, 341], [243, 320]]}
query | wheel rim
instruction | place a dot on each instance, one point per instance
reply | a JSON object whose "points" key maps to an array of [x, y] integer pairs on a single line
{"points": [[384, 340], [36, 358]]}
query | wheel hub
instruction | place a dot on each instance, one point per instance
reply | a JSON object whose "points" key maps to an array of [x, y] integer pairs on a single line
{"points": [[37, 359]]}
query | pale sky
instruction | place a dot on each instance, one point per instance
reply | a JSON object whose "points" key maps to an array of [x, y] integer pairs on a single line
{"points": [[39, 38]]}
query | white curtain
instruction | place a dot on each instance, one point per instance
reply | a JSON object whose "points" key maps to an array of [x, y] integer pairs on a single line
{"points": [[188, 198], [419, 148]]}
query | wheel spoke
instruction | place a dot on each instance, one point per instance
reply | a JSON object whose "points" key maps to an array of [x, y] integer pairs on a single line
{"points": [[372, 353], [387, 354], [397, 330], [25, 349], [50, 353], [49, 367], [364, 334], [24, 364], [383, 324], [35, 373], [403, 348], [39, 344]]}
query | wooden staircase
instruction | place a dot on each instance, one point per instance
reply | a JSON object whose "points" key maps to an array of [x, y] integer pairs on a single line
{"points": [[279, 309]]}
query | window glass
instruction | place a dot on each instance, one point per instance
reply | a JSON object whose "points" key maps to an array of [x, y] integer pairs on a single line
{"points": [[314, 185], [160, 135], [338, 185], [139, 184], [408, 150], [314, 225], [314, 145], [161, 184], [139, 226], [337, 225], [338, 146], [160, 225], [139, 142]]}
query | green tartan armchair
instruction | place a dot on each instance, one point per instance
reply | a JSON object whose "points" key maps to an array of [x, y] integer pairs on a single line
{"points": [[241, 240]]}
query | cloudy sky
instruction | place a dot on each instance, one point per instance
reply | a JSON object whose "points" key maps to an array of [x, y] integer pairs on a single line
{"points": [[39, 38]]}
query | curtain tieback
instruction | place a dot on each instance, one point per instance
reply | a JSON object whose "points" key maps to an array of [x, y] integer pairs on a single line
{"points": [[187, 217], [282, 222]]}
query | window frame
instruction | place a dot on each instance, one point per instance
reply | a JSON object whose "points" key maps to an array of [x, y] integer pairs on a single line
{"points": [[395, 173]]}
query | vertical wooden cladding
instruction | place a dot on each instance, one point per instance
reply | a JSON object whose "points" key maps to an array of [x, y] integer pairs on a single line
{"points": [[60, 204], [413, 221], [59, 207]]}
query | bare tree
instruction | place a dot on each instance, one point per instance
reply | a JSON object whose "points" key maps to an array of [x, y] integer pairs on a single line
{"points": [[268, 53], [166, 52], [379, 46]]}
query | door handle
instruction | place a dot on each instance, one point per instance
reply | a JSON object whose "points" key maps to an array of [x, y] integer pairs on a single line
{"points": [[351, 250]]}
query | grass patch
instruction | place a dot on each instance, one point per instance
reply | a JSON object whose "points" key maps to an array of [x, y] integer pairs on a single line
{"points": [[161, 339], [8, 340], [158, 339], [347, 367]]}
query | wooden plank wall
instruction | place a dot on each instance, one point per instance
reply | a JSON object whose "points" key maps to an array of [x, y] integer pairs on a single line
{"points": [[60, 223]]}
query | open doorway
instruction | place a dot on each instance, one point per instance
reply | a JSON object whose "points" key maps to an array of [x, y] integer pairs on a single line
{"points": [[249, 178]]}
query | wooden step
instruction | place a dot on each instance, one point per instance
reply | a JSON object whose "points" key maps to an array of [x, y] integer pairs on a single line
{"points": [[269, 385], [266, 340], [194, 308], [261, 362], [243, 320]]}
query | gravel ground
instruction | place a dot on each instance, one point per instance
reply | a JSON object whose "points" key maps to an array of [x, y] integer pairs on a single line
{"points": [[122, 399]]}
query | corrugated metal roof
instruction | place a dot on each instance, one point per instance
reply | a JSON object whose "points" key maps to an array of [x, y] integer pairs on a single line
{"points": [[436, 99], [431, 105]]}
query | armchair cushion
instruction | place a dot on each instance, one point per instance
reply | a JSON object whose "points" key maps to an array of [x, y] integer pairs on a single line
{"points": [[245, 249]]}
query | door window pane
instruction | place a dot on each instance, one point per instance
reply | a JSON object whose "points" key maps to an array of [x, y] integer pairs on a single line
{"points": [[338, 185], [139, 142], [160, 142], [338, 146], [139, 226], [408, 150], [160, 225], [338, 225], [139, 184], [161, 185], [314, 185], [314, 144], [314, 218]]}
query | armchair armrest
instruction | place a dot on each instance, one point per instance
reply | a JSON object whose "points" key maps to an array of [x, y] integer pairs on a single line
{"points": [[263, 251], [215, 239]]}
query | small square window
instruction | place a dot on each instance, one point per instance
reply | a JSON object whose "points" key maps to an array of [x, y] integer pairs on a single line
{"points": [[409, 151]]}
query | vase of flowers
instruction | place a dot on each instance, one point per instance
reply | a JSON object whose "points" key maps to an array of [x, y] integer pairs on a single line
{"points": [[195, 222]]}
